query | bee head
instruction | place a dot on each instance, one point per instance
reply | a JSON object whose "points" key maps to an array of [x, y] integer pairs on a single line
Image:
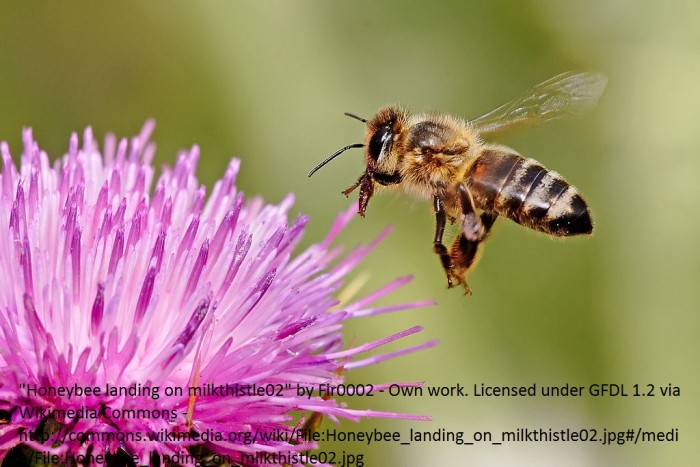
{"points": [[381, 140], [380, 160]]}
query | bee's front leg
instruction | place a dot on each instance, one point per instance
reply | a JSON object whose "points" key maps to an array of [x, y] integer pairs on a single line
{"points": [[475, 229], [366, 184]]}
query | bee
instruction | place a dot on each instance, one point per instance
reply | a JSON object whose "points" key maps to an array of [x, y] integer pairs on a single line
{"points": [[444, 159]]}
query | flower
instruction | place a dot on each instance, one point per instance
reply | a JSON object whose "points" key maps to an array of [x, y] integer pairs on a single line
{"points": [[168, 324]]}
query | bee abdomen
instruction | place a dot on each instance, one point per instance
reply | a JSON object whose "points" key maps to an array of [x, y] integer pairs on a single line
{"points": [[526, 192]]}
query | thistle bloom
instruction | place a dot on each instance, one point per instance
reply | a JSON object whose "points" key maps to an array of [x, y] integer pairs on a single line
{"points": [[161, 324]]}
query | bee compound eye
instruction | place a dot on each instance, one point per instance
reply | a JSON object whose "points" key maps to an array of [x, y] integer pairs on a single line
{"points": [[380, 141]]}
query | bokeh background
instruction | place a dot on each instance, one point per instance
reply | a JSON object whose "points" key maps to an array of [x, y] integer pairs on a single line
{"points": [[268, 82]]}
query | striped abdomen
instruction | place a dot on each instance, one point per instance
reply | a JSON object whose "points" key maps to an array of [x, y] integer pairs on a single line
{"points": [[526, 192]]}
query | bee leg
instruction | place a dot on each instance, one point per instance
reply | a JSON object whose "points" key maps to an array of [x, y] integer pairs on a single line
{"points": [[487, 220], [354, 186], [472, 227], [475, 229], [439, 248], [366, 192], [366, 184]]}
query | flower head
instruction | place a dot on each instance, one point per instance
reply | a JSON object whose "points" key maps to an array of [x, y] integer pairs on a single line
{"points": [[135, 321]]}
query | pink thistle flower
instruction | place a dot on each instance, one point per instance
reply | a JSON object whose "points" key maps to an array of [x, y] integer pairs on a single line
{"points": [[105, 286]]}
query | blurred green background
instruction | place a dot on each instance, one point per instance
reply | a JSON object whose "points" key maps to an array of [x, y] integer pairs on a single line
{"points": [[268, 82]]}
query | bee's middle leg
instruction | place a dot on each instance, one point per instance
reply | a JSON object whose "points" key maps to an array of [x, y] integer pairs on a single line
{"points": [[439, 248]]}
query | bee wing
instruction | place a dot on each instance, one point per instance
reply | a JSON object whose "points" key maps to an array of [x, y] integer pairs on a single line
{"points": [[567, 94]]}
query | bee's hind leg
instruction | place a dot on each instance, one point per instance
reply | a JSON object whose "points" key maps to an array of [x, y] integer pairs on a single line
{"points": [[475, 230]]}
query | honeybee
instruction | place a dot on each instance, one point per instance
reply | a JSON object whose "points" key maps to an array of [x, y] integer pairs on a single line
{"points": [[443, 158]]}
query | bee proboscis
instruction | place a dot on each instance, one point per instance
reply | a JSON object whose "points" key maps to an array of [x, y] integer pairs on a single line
{"points": [[443, 158]]}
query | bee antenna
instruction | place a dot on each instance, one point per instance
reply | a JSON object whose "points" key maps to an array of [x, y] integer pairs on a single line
{"points": [[334, 155], [356, 117]]}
